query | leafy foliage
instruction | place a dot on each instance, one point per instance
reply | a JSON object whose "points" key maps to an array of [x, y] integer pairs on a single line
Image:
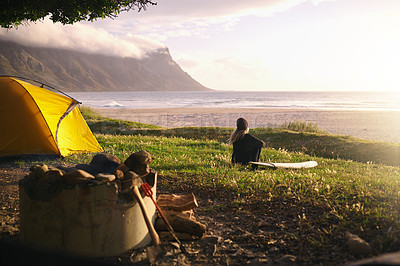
{"points": [[13, 13]]}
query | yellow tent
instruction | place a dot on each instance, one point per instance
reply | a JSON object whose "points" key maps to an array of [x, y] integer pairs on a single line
{"points": [[35, 120]]}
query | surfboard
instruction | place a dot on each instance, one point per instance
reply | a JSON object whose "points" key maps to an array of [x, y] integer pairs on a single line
{"points": [[308, 164]]}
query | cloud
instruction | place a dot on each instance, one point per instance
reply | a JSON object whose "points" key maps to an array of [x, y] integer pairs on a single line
{"points": [[221, 8], [226, 72], [82, 37], [134, 34], [181, 18]]}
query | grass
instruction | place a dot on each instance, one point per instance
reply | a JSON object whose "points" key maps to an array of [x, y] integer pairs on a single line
{"points": [[89, 114], [356, 185], [356, 195], [105, 125], [302, 126]]}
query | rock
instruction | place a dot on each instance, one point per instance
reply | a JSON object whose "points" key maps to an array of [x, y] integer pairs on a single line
{"points": [[123, 168], [101, 163], [39, 170], [131, 175], [87, 168], [53, 175], [139, 162], [130, 180], [105, 177], [105, 163], [357, 245], [78, 177], [119, 174], [66, 169], [79, 173], [55, 168]]}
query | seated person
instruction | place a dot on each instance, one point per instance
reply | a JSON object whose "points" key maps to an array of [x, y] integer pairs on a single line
{"points": [[246, 147]]}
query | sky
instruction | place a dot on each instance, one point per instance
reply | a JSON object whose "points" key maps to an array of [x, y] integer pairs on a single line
{"points": [[253, 45]]}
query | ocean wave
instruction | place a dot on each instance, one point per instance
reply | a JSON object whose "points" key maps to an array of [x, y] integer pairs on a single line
{"points": [[114, 104]]}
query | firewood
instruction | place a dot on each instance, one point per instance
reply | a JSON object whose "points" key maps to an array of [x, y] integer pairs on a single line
{"points": [[177, 202], [181, 224]]}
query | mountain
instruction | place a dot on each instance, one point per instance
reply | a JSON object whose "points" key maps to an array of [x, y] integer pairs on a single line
{"points": [[77, 71]]}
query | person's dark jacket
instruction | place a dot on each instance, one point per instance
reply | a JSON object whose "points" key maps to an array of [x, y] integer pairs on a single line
{"points": [[247, 149]]}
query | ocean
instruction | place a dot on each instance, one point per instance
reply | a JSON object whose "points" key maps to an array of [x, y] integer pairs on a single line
{"points": [[356, 101]]}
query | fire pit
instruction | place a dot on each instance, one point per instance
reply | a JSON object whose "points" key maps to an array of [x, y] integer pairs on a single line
{"points": [[86, 212]]}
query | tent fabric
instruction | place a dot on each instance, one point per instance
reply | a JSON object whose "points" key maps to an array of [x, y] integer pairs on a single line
{"points": [[36, 120]]}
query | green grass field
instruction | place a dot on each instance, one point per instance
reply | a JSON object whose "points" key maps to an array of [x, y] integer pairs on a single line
{"points": [[356, 184]]}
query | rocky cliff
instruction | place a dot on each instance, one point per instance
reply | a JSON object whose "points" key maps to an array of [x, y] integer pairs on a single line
{"points": [[76, 71]]}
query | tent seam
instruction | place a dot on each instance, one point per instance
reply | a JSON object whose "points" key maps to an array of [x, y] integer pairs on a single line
{"points": [[69, 110]]}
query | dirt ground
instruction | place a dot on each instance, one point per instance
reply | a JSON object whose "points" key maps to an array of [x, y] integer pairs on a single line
{"points": [[239, 231]]}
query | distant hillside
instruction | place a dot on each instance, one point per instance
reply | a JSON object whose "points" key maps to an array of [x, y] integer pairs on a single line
{"points": [[77, 71]]}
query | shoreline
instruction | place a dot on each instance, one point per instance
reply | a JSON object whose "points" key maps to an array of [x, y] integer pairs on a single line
{"points": [[371, 125]]}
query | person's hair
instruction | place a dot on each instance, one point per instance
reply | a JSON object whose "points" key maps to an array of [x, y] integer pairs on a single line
{"points": [[242, 123], [242, 128], [238, 134]]}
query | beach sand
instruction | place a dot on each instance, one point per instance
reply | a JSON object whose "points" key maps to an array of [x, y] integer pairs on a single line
{"points": [[372, 125]]}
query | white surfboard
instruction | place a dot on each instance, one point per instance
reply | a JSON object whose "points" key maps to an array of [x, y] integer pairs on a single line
{"points": [[308, 164]]}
